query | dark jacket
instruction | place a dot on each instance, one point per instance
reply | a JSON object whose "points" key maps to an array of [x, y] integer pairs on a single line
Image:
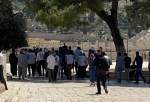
{"points": [[101, 65]]}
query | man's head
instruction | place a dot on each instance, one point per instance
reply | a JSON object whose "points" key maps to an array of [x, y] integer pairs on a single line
{"points": [[119, 54], [125, 54], [137, 53], [101, 49]]}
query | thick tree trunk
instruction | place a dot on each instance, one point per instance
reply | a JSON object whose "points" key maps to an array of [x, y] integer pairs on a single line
{"points": [[118, 40], [112, 21]]}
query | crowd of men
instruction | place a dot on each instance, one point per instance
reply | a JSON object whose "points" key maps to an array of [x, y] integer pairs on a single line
{"points": [[65, 63]]}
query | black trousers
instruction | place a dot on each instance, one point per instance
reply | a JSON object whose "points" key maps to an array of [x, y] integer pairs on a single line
{"points": [[81, 72], [55, 72], [31, 67], [13, 68], [101, 79], [41, 67]]}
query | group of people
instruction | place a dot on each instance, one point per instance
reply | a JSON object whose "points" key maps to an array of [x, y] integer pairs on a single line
{"points": [[131, 68], [64, 63], [48, 62]]}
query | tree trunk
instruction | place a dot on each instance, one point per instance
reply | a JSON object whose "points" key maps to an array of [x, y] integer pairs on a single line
{"points": [[118, 40], [112, 21]]}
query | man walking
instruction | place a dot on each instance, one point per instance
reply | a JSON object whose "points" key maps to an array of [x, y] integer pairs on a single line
{"points": [[139, 62], [127, 61], [101, 71]]}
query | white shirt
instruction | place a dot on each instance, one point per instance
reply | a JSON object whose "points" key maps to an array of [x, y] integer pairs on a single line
{"points": [[51, 62], [108, 60], [69, 59], [1, 59], [40, 56]]}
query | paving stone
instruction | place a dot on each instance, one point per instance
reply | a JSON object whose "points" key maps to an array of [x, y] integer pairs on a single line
{"points": [[71, 91]]}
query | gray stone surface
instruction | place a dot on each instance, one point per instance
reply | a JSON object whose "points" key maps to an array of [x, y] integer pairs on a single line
{"points": [[73, 91]]}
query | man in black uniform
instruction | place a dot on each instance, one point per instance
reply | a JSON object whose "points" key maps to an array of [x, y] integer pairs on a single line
{"points": [[101, 71]]}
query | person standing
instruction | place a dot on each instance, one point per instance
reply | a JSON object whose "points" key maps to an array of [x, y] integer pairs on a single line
{"points": [[138, 61], [57, 63], [77, 52], [2, 79], [13, 60], [92, 68], [70, 63], [119, 66], [127, 61], [101, 71], [82, 65], [51, 62], [40, 60], [109, 62], [31, 62], [22, 65]]}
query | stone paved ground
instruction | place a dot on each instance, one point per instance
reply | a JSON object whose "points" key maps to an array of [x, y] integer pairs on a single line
{"points": [[73, 91], [2, 88]]}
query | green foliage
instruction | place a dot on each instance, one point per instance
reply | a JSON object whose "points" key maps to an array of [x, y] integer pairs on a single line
{"points": [[139, 13], [12, 27], [62, 12]]}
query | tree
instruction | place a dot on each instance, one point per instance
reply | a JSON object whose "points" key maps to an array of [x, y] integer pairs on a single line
{"points": [[62, 12], [139, 15], [12, 27]]}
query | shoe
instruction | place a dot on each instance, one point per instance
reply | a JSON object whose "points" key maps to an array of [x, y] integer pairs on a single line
{"points": [[106, 91], [136, 83], [98, 93], [119, 82]]}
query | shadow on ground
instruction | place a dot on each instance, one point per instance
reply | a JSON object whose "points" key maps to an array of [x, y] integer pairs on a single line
{"points": [[109, 83]]}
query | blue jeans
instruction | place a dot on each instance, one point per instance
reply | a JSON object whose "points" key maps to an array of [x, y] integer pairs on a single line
{"points": [[92, 73]]}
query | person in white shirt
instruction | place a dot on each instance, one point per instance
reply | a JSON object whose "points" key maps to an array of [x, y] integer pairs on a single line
{"points": [[31, 62], [70, 64], [51, 62], [57, 63], [109, 62], [40, 62], [76, 55], [2, 79], [82, 63]]}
